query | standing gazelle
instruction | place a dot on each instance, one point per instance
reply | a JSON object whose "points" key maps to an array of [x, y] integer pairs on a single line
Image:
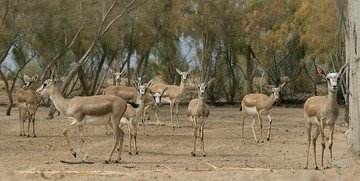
{"points": [[198, 111], [322, 111], [256, 105], [27, 103], [173, 94], [87, 110]]}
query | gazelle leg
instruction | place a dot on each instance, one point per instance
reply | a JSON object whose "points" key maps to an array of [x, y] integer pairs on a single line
{"points": [[28, 119], [117, 134], [202, 137], [130, 136], [260, 124], [171, 112], [315, 136], [308, 129], [82, 140], [242, 124], [331, 139], [66, 129], [323, 142], [270, 121], [33, 124], [21, 117], [176, 112], [156, 111], [252, 127], [195, 136]]}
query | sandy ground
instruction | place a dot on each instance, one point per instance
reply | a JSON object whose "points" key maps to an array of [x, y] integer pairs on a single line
{"points": [[164, 153]]}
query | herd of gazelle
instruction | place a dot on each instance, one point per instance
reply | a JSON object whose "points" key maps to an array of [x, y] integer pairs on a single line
{"points": [[115, 106]]}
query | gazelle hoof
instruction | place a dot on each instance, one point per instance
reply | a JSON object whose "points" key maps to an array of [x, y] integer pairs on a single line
{"points": [[106, 162], [267, 139], [130, 153], [316, 168], [204, 155], [117, 161], [137, 153], [28, 135], [34, 136], [20, 134], [193, 153]]}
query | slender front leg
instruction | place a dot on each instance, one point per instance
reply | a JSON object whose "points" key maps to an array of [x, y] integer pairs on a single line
{"points": [[21, 117], [195, 126], [82, 140], [331, 139], [121, 143], [156, 110], [269, 132], [308, 129], [171, 112], [177, 112], [130, 136], [252, 127], [323, 141], [260, 124], [202, 137], [66, 129], [315, 136]]}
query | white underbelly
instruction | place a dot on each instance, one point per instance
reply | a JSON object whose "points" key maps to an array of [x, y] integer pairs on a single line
{"points": [[97, 120], [251, 111], [22, 105]]}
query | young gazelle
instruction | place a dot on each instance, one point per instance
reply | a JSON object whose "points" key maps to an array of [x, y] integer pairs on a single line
{"points": [[198, 111], [173, 94], [256, 105], [88, 110], [27, 103], [322, 111], [132, 115], [153, 101]]}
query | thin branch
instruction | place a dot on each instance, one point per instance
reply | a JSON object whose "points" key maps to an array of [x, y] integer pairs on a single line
{"points": [[7, 7]]}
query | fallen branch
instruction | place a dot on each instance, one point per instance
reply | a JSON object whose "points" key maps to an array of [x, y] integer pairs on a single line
{"points": [[76, 162]]}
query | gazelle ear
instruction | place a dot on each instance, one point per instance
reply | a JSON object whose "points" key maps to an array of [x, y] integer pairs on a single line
{"points": [[26, 78], [189, 70], [35, 77], [321, 72], [282, 85], [123, 71], [343, 69], [150, 83], [178, 71], [111, 71], [209, 82], [162, 93]]}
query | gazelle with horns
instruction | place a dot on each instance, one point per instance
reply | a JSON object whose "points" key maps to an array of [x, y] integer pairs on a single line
{"points": [[173, 93], [27, 103], [88, 110], [198, 111], [323, 111], [257, 104]]}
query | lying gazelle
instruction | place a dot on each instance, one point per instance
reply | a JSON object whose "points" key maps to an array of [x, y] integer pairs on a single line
{"points": [[27, 103], [322, 111], [198, 111], [257, 104], [173, 94], [88, 110]]}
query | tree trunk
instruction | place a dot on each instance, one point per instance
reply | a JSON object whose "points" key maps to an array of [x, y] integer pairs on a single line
{"points": [[353, 58], [249, 71]]}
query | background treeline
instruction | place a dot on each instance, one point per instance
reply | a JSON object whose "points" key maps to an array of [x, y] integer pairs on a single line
{"points": [[240, 43]]}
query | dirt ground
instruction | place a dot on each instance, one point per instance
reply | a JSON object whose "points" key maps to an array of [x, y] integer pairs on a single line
{"points": [[164, 153]]}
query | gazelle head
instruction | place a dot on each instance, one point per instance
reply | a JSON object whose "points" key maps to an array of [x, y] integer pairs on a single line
{"points": [[143, 88], [117, 75], [202, 86], [332, 79], [276, 91], [157, 97], [46, 88], [184, 75], [29, 81]]}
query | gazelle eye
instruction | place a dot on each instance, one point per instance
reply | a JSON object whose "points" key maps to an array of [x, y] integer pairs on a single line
{"points": [[44, 85]]}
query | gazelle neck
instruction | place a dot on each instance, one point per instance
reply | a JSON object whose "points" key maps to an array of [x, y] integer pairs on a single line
{"points": [[58, 99], [141, 101], [331, 100], [269, 102]]}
